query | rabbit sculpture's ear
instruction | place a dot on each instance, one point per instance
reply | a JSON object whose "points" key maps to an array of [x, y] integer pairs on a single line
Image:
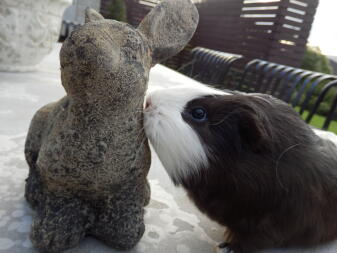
{"points": [[91, 15], [169, 27]]}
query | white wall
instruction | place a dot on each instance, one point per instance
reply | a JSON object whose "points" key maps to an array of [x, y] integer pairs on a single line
{"points": [[75, 12], [324, 31]]}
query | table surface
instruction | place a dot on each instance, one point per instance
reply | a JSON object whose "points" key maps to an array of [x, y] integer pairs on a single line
{"points": [[172, 222]]}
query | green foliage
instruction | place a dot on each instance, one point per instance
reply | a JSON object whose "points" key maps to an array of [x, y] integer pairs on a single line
{"points": [[318, 121], [325, 105], [117, 10], [314, 60]]}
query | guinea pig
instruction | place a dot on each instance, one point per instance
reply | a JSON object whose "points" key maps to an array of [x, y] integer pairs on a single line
{"points": [[249, 162]]}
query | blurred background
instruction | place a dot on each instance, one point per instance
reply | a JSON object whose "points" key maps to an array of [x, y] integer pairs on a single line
{"points": [[308, 22], [297, 34], [286, 48]]}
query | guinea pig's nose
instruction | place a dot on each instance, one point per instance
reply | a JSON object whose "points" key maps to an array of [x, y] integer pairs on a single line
{"points": [[147, 103]]}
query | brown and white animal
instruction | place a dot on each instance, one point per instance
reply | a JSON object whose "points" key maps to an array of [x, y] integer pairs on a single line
{"points": [[249, 162]]}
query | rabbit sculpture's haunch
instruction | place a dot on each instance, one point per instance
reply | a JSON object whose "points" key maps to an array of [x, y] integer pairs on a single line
{"points": [[87, 153]]}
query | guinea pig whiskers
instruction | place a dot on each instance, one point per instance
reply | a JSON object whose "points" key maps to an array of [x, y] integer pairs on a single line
{"points": [[137, 152], [141, 133], [139, 120], [277, 165], [138, 112]]}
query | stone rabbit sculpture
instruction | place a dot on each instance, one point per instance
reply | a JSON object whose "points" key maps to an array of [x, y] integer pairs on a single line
{"points": [[87, 153]]}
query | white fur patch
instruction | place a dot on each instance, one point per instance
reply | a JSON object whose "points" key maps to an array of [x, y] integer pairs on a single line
{"points": [[177, 144]]}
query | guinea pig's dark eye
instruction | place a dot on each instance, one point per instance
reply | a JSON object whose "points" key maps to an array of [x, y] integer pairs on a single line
{"points": [[199, 114]]}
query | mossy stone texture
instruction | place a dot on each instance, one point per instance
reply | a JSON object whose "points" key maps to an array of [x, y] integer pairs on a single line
{"points": [[87, 153]]}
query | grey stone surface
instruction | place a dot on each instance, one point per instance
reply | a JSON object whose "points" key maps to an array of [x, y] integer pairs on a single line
{"points": [[28, 30], [87, 153]]}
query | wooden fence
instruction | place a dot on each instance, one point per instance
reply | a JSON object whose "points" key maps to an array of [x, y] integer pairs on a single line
{"points": [[105, 7], [272, 30]]}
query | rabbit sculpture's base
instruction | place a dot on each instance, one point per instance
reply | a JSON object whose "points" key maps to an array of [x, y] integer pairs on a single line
{"points": [[87, 153], [62, 222]]}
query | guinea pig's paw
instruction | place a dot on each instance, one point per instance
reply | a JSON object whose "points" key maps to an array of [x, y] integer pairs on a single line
{"points": [[224, 247]]}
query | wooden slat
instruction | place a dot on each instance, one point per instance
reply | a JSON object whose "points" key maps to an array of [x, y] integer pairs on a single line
{"points": [[309, 10], [283, 4], [292, 56], [262, 4], [221, 28], [260, 11]]}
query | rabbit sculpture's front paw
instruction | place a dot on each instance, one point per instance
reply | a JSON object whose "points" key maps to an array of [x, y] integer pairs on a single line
{"points": [[60, 224]]}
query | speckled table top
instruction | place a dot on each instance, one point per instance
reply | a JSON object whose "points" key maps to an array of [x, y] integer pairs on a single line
{"points": [[172, 223]]}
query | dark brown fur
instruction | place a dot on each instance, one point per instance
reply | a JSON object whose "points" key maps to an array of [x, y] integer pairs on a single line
{"points": [[271, 181]]}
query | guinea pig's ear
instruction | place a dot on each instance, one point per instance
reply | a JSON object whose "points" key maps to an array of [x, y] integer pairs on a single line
{"points": [[91, 15], [253, 131], [169, 27]]}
